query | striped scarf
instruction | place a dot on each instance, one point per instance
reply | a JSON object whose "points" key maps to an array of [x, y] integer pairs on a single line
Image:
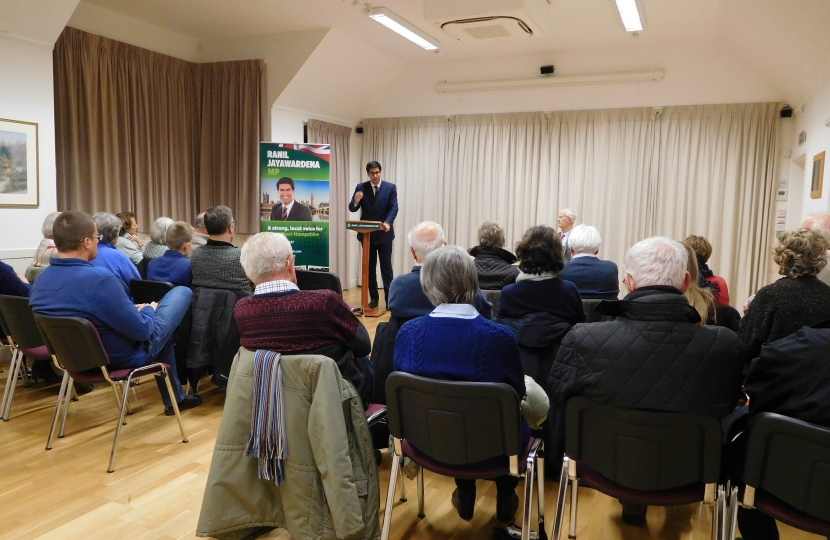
{"points": [[267, 441]]}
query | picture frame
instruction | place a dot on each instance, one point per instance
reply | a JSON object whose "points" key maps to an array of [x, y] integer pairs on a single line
{"points": [[19, 171], [817, 178]]}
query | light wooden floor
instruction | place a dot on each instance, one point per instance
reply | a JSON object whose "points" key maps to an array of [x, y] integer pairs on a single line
{"points": [[156, 489]]}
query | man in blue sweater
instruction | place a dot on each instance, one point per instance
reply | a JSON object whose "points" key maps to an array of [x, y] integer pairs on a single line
{"points": [[132, 335], [593, 277]]}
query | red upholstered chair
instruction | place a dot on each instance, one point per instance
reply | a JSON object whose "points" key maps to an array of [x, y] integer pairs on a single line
{"points": [[787, 473], [76, 346], [21, 332], [644, 457], [462, 430]]}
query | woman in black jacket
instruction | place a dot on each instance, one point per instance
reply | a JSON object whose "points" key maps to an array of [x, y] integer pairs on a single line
{"points": [[495, 265]]}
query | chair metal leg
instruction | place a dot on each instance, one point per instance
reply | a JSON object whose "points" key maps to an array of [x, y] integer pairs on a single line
{"points": [[24, 373], [528, 504], [403, 483], [720, 514], [390, 496], [117, 395], [421, 493], [574, 496], [57, 410], [559, 517], [68, 396], [540, 477], [732, 519], [175, 405], [121, 412], [10, 383]]}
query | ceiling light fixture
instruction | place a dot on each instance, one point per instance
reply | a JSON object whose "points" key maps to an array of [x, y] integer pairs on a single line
{"points": [[630, 15], [403, 28]]}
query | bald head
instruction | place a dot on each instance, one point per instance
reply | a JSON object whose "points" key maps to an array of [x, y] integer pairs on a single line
{"points": [[424, 238], [819, 223]]}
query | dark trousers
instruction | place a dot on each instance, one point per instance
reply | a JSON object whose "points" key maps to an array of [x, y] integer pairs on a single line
{"points": [[384, 253], [504, 484]]}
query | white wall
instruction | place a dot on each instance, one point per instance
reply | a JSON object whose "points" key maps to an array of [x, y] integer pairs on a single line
{"points": [[26, 94], [810, 118]]}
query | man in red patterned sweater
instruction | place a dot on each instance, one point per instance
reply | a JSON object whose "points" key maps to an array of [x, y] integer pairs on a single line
{"points": [[280, 317]]}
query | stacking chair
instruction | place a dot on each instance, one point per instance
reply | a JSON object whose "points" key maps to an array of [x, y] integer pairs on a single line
{"points": [[787, 473], [308, 280], [645, 457], [26, 341], [76, 346], [145, 291], [588, 306], [462, 430]]}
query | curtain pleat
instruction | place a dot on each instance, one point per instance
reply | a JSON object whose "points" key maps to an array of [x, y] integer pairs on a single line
{"points": [[337, 136], [138, 130], [632, 173]]}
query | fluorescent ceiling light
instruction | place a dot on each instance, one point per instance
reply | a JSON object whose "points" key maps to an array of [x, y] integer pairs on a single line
{"points": [[554, 80], [630, 15], [403, 28]]}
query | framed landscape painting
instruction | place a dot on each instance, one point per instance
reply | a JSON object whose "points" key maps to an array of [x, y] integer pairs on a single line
{"points": [[817, 182], [18, 164]]}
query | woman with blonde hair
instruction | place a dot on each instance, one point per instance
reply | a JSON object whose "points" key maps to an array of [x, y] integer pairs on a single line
{"points": [[701, 299], [703, 250], [796, 300]]}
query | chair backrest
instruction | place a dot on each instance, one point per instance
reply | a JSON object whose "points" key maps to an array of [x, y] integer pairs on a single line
{"points": [[454, 422], [142, 267], [728, 317], [588, 305], [75, 342], [492, 297], [309, 280], [645, 450], [790, 459], [145, 291], [20, 322], [4, 327]]}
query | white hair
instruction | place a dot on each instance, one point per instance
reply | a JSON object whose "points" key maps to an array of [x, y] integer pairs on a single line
{"points": [[424, 238], [584, 239], [265, 254], [657, 261], [158, 231], [48, 223], [449, 276], [570, 214], [109, 226]]}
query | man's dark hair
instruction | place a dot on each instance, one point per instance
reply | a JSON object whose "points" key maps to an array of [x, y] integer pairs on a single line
{"points": [[373, 165], [218, 219], [540, 250], [70, 229], [285, 180]]}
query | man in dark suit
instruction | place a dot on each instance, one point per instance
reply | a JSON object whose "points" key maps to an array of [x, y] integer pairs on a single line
{"points": [[288, 209], [593, 277], [377, 201]]}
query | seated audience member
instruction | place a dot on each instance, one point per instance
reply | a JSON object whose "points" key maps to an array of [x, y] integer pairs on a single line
{"points": [[699, 298], [820, 223], [128, 241], [174, 266], [108, 257], [798, 299], [654, 355], [280, 317], [495, 265], [157, 246], [594, 278], [132, 335], [200, 235], [538, 289], [703, 250], [454, 342], [406, 297], [45, 250], [216, 264]]}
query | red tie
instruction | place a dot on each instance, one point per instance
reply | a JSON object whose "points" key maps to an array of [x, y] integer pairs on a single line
{"points": [[284, 213]]}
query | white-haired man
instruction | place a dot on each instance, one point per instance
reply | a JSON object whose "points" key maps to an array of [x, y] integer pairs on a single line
{"points": [[565, 220], [280, 317], [654, 355], [594, 278], [820, 223], [406, 297]]}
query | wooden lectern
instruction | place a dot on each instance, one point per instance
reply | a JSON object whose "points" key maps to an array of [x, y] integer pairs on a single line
{"points": [[366, 227]]}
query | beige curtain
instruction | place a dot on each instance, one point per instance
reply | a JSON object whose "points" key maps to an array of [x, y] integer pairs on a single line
{"points": [[632, 173], [338, 137], [138, 130]]}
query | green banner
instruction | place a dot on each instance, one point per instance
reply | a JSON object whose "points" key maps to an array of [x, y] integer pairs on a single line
{"points": [[296, 177]]}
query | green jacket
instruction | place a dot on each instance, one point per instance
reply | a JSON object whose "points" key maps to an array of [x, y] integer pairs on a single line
{"points": [[331, 487]]}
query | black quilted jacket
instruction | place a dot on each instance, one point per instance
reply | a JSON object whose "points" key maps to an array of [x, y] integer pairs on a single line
{"points": [[653, 356], [495, 267]]}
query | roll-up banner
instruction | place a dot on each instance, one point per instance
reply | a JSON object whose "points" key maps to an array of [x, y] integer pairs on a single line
{"points": [[294, 186]]}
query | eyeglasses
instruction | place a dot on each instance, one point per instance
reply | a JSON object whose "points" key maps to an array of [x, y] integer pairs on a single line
{"points": [[97, 237]]}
